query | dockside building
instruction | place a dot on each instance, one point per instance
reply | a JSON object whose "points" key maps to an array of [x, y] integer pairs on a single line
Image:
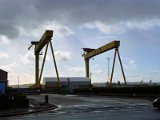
{"points": [[68, 84]]}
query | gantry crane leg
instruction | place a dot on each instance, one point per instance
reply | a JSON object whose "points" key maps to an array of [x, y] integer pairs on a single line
{"points": [[121, 67], [87, 68], [45, 54], [114, 59], [117, 51], [54, 60], [37, 84]]}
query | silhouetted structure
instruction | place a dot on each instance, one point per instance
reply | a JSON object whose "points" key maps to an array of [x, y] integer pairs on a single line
{"points": [[3, 81]]}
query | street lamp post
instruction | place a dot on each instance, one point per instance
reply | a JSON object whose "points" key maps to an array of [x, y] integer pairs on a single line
{"points": [[108, 58]]}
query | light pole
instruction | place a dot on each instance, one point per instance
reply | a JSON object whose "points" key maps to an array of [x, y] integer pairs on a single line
{"points": [[108, 58], [90, 79], [18, 82]]}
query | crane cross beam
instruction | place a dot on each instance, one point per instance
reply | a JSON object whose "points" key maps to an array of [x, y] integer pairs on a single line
{"points": [[43, 41], [107, 47]]}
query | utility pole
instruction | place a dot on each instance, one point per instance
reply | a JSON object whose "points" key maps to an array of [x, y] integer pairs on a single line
{"points": [[90, 79], [108, 58], [18, 82], [90, 76]]}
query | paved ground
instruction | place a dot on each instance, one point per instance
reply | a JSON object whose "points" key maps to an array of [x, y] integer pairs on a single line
{"points": [[34, 107], [94, 108]]}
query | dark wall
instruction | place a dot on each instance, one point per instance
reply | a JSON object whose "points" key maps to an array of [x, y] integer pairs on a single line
{"points": [[3, 75], [3, 81]]}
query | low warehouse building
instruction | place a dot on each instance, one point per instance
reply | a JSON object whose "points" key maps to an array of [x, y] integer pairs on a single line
{"points": [[3, 81], [68, 84]]}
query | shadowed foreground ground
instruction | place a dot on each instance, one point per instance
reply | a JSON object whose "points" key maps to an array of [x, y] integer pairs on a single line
{"points": [[94, 108]]}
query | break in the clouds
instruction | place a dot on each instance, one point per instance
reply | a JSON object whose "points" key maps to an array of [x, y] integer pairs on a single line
{"points": [[30, 14]]}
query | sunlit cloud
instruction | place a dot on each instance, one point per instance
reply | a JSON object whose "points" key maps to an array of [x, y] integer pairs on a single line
{"points": [[28, 58], [60, 30], [62, 55], [130, 65], [4, 39], [3, 55]]}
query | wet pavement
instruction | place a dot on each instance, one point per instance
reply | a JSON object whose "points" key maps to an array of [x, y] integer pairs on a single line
{"points": [[93, 108]]}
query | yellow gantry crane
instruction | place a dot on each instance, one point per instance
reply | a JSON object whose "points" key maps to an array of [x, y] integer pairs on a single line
{"points": [[39, 45], [89, 53]]}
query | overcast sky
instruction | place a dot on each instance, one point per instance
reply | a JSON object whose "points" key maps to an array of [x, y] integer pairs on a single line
{"points": [[78, 24]]}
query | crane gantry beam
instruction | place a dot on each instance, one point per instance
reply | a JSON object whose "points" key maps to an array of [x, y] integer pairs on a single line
{"points": [[107, 47]]}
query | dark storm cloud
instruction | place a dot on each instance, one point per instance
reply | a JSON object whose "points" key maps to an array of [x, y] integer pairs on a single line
{"points": [[104, 10], [31, 13], [8, 30]]}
